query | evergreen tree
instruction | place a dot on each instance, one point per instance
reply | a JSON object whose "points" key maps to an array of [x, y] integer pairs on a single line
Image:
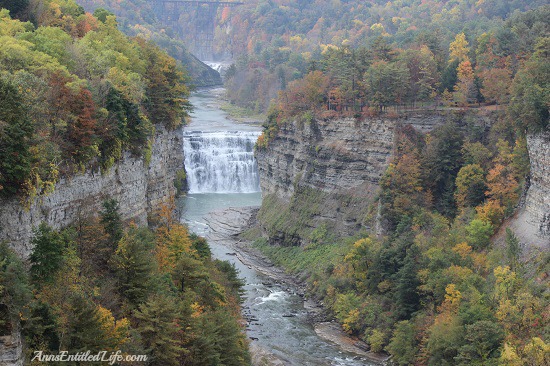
{"points": [[14, 287], [84, 327], [111, 220], [47, 255], [158, 326], [406, 296], [15, 132], [134, 265]]}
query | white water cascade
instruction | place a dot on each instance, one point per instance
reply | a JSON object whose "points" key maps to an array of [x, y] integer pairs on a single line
{"points": [[221, 162]]}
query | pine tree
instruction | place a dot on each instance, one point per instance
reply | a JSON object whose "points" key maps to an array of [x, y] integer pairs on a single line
{"points": [[158, 326], [111, 220], [134, 265], [407, 297], [47, 255], [15, 132]]}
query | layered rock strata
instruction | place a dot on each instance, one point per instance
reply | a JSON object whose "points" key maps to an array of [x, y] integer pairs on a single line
{"points": [[138, 187]]}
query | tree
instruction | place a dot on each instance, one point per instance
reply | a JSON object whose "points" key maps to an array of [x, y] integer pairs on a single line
{"points": [[387, 83], [15, 292], [479, 233], [84, 330], [441, 162], [157, 323], [81, 131], [458, 49], [14, 6], [134, 265], [464, 90], [15, 133], [111, 220], [496, 84], [406, 295], [513, 249], [484, 339], [47, 254], [470, 186], [530, 96], [166, 91], [403, 345]]}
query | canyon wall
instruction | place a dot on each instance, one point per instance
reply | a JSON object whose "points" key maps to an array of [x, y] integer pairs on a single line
{"points": [[137, 186], [531, 224], [332, 166]]}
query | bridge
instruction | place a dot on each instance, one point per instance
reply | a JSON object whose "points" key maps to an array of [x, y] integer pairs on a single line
{"points": [[204, 20]]}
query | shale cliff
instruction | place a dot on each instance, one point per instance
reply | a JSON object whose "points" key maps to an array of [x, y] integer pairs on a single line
{"points": [[322, 175], [136, 185], [532, 221], [326, 171]]}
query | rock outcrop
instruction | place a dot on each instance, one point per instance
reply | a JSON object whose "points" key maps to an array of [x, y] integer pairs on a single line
{"points": [[136, 185], [334, 167], [342, 160], [335, 155], [531, 224]]}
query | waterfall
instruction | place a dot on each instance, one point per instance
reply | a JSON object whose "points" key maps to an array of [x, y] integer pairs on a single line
{"points": [[221, 162]]}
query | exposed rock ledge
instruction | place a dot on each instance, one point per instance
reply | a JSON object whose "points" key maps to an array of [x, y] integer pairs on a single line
{"points": [[531, 224], [226, 226], [137, 187]]}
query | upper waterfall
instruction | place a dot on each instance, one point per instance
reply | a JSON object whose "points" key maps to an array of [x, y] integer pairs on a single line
{"points": [[221, 162]]}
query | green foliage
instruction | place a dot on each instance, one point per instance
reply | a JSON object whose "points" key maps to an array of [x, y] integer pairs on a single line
{"points": [[15, 132], [47, 256], [134, 265], [479, 233], [403, 345], [79, 91], [200, 245], [158, 326], [14, 288], [102, 14], [111, 220], [181, 181], [407, 296], [83, 326], [531, 90], [180, 314], [470, 186]]}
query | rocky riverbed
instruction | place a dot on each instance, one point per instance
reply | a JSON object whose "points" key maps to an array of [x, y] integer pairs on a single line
{"points": [[225, 229]]}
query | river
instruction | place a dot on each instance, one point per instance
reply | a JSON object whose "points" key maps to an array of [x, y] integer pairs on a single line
{"points": [[222, 173]]}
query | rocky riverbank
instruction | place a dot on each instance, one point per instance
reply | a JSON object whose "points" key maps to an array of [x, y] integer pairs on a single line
{"points": [[226, 227]]}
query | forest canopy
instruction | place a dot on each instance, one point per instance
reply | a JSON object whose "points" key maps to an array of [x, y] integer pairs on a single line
{"points": [[77, 93]]}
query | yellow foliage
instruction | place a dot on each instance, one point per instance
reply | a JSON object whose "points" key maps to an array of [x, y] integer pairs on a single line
{"points": [[350, 320], [452, 295], [459, 49], [115, 331], [509, 356], [491, 211], [197, 310], [537, 352], [463, 250]]}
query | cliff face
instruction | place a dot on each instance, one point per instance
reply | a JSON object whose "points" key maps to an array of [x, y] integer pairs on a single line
{"points": [[531, 224], [334, 165], [136, 186], [333, 156]]}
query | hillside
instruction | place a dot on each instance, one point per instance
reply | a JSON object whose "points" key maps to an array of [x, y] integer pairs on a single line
{"points": [[276, 42], [92, 257], [407, 184], [137, 18]]}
